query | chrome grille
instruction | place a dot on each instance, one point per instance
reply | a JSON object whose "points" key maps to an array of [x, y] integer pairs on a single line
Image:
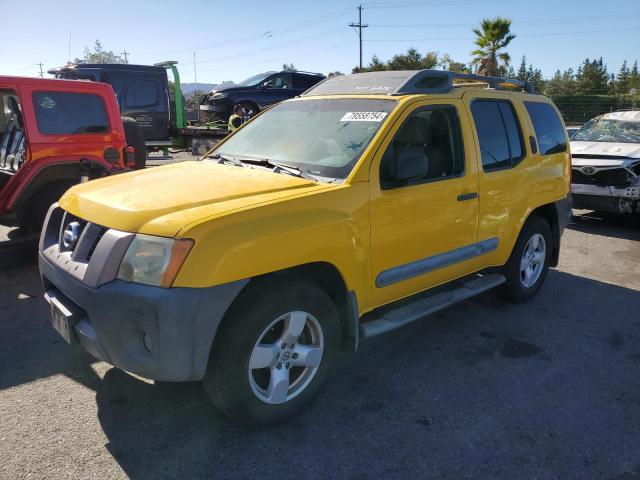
{"points": [[90, 252]]}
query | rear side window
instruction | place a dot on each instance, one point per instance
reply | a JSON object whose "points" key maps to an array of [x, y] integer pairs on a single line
{"points": [[141, 93], [548, 127], [499, 133], [64, 113], [304, 81]]}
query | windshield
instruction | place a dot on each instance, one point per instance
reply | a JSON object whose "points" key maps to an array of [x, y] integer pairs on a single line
{"points": [[320, 137], [256, 79], [609, 130]]}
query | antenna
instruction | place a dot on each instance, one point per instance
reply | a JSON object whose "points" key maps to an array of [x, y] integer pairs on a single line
{"points": [[359, 26]]}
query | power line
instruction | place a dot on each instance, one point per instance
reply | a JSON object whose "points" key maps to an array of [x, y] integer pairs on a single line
{"points": [[551, 34], [380, 5], [359, 26], [269, 48], [259, 36], [628, 17]]}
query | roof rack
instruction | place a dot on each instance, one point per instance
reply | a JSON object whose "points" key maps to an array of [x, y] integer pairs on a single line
{"points": [[406, 82]]}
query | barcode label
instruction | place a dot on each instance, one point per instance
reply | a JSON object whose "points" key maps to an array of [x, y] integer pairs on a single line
{"points": [[363, 116]]}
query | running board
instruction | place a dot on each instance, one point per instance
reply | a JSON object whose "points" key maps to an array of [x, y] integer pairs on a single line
{"points": [[410, 312]]}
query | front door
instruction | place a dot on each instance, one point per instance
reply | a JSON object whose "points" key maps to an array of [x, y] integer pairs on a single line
{"points": [[424, 202]]}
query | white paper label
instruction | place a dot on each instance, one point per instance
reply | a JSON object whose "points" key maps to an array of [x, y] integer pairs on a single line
{"points": [[363, 116]]}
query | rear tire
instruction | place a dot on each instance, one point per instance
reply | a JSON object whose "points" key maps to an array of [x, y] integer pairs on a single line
{"points": [[135, 138], [273, 352], [528, 264]]}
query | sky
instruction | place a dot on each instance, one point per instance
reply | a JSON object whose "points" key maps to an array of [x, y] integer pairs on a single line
{"points": [[233, 40]]}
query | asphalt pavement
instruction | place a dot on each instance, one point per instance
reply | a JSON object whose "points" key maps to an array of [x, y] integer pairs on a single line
{"points": [[486, 389]]}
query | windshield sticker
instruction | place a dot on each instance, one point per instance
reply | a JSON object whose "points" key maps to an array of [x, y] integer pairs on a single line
{"points": [[363, 116]]}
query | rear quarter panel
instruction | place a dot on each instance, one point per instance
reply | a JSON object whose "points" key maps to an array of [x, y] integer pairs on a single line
{"points": [[507, 197]]}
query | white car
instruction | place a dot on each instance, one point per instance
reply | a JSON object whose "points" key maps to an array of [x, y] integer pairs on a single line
{"points": [[605, 158]]}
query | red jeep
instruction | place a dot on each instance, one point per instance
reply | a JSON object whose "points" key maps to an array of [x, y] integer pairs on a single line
{"points": [[54, 134]]}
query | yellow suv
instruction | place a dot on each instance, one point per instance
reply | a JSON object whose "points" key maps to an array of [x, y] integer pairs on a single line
{"points": [[325, 220]]}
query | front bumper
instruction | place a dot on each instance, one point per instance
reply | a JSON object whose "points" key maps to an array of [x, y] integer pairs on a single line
{"points": [[606, 198], [157, 333], [217, 107]]}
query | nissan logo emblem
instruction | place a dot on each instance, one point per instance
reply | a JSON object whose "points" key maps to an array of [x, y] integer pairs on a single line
{"points": [[70, 235], [588, 170]]}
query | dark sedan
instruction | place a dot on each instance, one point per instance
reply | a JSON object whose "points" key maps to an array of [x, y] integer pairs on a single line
{"points": [[258, 92]]}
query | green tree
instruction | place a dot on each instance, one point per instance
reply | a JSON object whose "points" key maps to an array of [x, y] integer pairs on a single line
{"points": [[288, 67], [447, 63], [411, 60], [99, 55], [592, 78], [522, 70], [634, 78], [493, 36], [334, 74]]}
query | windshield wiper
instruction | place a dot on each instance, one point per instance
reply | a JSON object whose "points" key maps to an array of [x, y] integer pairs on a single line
{"points": [[228, 159], [281, 167]]}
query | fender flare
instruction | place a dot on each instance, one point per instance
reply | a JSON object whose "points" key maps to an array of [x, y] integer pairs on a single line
{"points": [[58, 170]]}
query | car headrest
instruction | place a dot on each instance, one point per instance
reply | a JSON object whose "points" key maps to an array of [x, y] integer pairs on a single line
{"points": [[414, 132], [14, 108], [439, 124]]}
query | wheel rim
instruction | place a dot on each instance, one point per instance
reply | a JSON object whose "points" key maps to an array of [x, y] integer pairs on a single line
{"points": [[286, 357], [247, 111], [533, 259]]}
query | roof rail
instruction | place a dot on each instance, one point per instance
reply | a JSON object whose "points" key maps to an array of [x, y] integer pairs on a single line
{"points": [[407, 82], [304, 71]]}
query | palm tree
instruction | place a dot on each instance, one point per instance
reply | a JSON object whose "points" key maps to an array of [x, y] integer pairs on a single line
{"points": [[492, 36]]}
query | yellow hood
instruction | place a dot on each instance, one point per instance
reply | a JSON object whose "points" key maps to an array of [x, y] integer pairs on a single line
{"points": [[162, 200]]}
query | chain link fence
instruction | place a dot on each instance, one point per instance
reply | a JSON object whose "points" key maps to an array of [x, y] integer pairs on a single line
{"points": [[578, 109]]}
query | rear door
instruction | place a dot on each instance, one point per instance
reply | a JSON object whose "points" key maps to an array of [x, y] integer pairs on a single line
{"points": [[143, 98]]}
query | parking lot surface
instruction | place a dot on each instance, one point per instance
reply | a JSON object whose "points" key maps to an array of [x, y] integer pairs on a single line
{"points": [[486, 389]]}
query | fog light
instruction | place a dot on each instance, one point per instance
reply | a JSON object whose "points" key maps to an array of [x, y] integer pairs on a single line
{"points": [[146, 340]]}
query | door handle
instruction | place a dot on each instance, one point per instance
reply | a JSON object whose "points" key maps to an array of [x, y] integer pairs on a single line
{"points": [[467, 196]]}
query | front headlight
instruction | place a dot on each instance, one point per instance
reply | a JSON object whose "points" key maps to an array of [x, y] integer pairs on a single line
{"points": [[154, 260], [218, 95]]}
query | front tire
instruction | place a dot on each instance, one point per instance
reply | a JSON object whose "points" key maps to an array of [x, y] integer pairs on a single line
{"points": [[273, 352], [528, 264]]}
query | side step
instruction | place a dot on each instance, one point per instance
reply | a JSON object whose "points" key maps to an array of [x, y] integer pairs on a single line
{"points": [[415, 310]]}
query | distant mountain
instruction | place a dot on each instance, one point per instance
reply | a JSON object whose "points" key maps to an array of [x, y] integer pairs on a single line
{"points": [[189, 89]]}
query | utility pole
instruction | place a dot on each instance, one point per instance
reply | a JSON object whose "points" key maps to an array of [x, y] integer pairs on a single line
{"points": [[125, 53], [41, 72], [69, 57], [360, 26]]}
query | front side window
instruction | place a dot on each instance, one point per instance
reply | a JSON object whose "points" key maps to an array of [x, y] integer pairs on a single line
{"points": [[64, 113], [427, 147], [321, 137], [499, 134], [279, 81], [548, 127]]}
